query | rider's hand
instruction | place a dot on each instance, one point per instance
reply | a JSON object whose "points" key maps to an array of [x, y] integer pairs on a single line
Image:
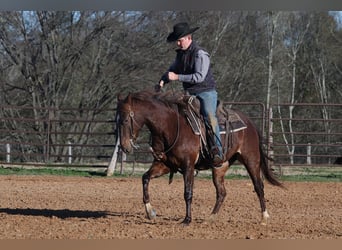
{"points": [[159, 86]]}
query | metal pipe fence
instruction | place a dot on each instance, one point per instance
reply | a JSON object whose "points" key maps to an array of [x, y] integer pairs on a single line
{"points": [[294, 134], [305, 134], [46, 136]]}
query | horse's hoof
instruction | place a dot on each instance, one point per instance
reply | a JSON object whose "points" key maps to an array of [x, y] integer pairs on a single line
{"points": [[265, 217], [212, 217], [186, 222], [150, 212]]}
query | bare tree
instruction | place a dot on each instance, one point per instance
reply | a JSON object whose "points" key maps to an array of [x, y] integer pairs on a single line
{"points": [[82, 59], [292, 36]]}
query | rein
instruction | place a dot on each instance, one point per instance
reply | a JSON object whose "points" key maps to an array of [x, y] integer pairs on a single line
{"points": [[177, 136]]}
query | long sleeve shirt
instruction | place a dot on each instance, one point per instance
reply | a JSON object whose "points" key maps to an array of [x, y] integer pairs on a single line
{"points": [[193, 68]]}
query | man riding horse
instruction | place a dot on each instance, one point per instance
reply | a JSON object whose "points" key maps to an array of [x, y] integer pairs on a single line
{"points": [[192, 67]]}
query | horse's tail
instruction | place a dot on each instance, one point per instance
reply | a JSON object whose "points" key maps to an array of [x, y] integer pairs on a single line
{"points": [[267, 172]]}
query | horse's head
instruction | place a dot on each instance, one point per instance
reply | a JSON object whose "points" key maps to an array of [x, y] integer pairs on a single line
{"points": [[127, 123]]}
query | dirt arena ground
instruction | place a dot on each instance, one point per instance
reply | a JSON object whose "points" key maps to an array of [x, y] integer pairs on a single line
{"points": [[54, 207]]}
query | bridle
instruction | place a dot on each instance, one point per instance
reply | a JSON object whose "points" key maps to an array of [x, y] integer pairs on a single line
{"points": [[132, 121], [133, 137]]}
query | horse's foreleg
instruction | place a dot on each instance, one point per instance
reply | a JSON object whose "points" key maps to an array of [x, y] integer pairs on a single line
{"points": [[218, 179], [264, 218], [188, 177], [156, 170]]}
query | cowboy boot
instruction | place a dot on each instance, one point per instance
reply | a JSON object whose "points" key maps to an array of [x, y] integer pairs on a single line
{"points": [[217, 158]]}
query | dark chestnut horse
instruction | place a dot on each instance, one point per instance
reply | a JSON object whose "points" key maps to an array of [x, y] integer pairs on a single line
{"points": [[177, 149]]}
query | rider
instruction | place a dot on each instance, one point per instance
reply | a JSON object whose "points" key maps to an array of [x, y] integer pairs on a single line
{"points": [[192, 67]]}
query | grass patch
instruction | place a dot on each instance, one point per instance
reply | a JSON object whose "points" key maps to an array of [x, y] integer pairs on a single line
{"points": [[48, 171], [315, 178], [319, 174], [236, 172]]}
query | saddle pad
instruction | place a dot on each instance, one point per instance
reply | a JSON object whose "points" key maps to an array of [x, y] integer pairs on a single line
{"points": [[230, 122]]}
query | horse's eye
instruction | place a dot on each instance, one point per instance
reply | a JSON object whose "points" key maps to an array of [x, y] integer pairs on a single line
{"points": [[124, 121]]}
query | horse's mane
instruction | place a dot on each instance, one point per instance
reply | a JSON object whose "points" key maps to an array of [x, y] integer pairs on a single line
{"points": [[168, 98]]}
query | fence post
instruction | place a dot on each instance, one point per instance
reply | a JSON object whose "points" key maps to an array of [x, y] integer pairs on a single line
{"points": [[270, 136], [8, 153], [123, 158], [112, 164], [48, 131], [308, 152], [69, 152]]}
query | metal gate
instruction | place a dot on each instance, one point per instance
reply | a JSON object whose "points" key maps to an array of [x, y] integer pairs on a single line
{"points": [[305, 134]]}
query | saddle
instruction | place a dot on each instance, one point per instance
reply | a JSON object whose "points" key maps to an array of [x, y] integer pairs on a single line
{"points": [[229, 122]]}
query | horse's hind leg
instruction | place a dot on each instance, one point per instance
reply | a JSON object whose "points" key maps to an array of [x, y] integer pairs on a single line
{"points": [[254, 173], [156, 170], [218, 179], [259, 189]]}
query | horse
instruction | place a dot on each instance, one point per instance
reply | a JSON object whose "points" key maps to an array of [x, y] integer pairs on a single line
{"points": [[176, 148]]}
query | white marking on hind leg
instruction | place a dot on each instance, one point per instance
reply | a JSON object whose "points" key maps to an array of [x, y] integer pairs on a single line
{"points": [[151, 213], [264, 218]]}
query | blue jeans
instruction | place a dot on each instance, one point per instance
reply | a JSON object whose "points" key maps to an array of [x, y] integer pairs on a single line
{"points": [[208, 100]]}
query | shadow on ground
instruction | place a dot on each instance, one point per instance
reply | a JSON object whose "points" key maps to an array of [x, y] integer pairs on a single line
{"points": [[59, 213]]}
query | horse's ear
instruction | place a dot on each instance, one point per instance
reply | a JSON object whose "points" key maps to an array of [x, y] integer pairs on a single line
{"points": [[129, 98], [120, 97]]}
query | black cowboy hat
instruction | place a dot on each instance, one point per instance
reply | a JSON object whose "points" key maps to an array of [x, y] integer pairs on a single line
{"points": [[180, 30]]}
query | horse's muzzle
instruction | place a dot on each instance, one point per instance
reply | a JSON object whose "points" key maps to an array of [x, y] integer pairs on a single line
{"points": [[135, 146], [125, 150]]}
